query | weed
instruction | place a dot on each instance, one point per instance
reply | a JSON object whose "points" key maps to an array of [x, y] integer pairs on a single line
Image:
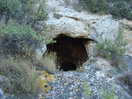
{"points": [[112, 49], [21, 74], [23, 9], [108, 94], [86, 90], [49, 62], [80, 68], [118, 8], [103, 94]]}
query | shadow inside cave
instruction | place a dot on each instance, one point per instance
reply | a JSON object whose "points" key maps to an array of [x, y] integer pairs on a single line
{"points": [[70, 52]]}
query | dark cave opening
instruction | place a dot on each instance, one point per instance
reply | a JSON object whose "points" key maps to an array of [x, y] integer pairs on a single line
{"points": [[65, 66], [71, 52]]}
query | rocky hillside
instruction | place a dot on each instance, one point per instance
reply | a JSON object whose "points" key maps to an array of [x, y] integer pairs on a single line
{"points": [[93, 56]]}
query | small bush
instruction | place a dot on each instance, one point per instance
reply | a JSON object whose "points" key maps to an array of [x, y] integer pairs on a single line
{"points": [[112, 49], [8, 7], [21, 75], [23, 9], [14, 38], [118, 8]]}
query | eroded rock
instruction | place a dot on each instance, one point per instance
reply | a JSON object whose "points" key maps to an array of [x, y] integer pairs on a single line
{"points": [[64, 20]]}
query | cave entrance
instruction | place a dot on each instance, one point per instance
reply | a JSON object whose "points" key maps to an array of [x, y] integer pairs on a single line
{"points": [[71, 52]]}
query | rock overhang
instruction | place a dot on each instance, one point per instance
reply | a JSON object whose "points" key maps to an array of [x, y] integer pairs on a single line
{"points": [[69, 22], [81, 24]]}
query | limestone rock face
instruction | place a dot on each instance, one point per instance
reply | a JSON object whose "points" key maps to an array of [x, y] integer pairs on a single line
{"points": [[65, 20]]}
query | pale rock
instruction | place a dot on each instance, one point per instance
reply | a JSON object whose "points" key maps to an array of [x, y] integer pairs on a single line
{"points": [[40, 51], [105, 67], [100, 74], [2, 96], [67, 26], [128, 36], [64, 20], [103, 64]]}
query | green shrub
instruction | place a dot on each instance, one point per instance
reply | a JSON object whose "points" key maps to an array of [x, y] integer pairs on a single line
{"points": [[94, 5], [118, 8], [23, 9], [112, 49], [23, 79], [8, 7], [14, 38], [32, 12]]}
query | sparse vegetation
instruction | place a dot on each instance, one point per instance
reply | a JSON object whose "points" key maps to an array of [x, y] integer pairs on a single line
{"points": [[103, 94], [95, 5], [118, 8], [21, 74], [112, 49], [108, 94], [22, 77], [19, 38], [86, 90], [49, 62], [67, 2], [23, 10], [14, 38]]}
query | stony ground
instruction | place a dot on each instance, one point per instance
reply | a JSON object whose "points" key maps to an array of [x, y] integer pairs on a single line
{"points": [[69, 85]]}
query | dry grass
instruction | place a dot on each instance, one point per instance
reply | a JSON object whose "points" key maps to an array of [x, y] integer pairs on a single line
{"points": [[21, 74], [49, 62]]}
